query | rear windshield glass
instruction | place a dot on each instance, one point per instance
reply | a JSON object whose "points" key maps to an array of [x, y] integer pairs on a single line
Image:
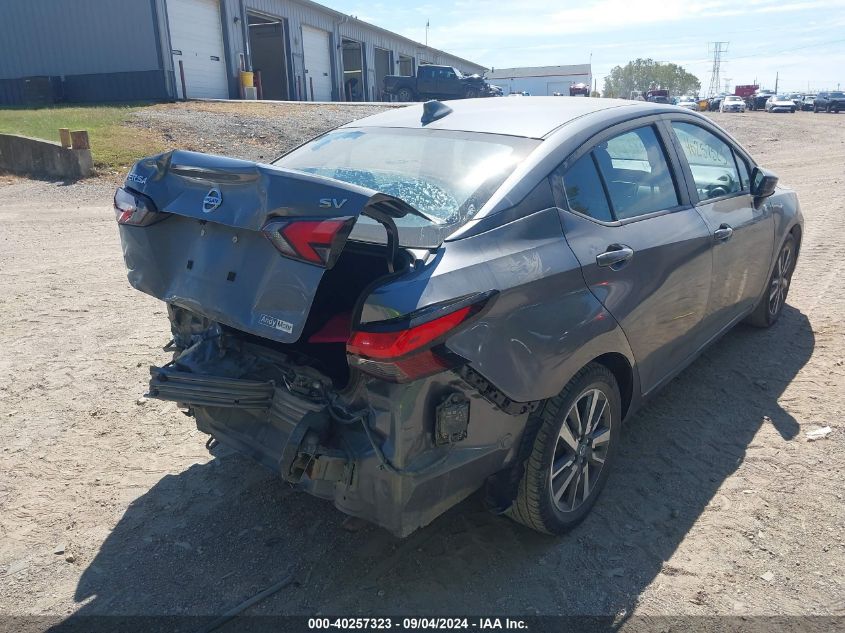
{"points": [[444, 174]]}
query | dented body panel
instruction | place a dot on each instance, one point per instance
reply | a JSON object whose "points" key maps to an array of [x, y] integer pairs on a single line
{"points": [[392, 366]]}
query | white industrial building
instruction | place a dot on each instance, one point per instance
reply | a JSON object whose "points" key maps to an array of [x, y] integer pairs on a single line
{"points": [[541, 80], [125, 50]]}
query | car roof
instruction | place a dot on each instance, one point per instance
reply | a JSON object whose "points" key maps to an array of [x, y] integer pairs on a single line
{"points": [[533, 117]]}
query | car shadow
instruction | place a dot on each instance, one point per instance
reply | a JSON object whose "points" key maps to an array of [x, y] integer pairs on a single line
{"points": [[206, 539]]}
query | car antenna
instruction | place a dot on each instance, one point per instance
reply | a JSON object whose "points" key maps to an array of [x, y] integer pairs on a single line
{"points": [[434, 110]]}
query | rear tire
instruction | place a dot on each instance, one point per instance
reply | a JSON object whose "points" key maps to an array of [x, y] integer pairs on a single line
{"points": [[571, 453], [771, 304], [405, 95]]}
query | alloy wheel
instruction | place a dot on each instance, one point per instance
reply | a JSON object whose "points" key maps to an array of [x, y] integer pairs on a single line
{"points": [[580, 450], [779, 285]]}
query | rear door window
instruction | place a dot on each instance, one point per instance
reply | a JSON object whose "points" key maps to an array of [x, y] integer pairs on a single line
{"points": [[711, 161]]}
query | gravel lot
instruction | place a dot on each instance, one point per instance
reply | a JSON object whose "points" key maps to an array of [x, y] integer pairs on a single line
{"points": [[251, 130], [110, 504]]}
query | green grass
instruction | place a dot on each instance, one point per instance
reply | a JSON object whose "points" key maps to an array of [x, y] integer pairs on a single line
{"points": [[114, 145]]}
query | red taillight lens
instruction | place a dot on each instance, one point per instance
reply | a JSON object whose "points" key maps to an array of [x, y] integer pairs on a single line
{"points": [[412, 349], [314, 241], [395, 344], [133, 209]]}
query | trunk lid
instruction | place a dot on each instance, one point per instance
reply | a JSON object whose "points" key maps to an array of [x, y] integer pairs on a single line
{"points": [[211, 255]]}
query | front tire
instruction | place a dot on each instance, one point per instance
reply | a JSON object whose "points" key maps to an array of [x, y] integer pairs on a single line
{"points": [[571, 453], [771, 304], [405, 95]]}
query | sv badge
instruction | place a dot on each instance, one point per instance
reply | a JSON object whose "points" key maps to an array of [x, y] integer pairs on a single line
{"points": [[332, 203]]}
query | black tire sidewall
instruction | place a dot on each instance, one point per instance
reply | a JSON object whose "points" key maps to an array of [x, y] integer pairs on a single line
{"points": [[598, 377], [772, 318]]}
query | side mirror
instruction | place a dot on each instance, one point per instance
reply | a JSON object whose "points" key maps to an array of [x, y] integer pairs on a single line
{"points": [[763, 183]]}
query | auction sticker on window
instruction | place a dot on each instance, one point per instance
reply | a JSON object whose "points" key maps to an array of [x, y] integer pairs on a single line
{"points": [[276, 323]]}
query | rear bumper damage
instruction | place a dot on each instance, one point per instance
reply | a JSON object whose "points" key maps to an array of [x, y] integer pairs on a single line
{"points": [[397, 455]]}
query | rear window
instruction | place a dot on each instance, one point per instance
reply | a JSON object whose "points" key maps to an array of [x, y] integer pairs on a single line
{"points": [[446, 175]]}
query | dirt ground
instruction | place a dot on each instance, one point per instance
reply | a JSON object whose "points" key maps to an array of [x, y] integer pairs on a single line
{"points": [[110, 504]]}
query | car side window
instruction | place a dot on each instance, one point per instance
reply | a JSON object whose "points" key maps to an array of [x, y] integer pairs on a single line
{"points": [[635, 171], [744, 177], [584, 191], [710, 159]]}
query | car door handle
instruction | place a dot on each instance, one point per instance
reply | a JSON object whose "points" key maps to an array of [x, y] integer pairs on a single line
{"points": [[616, 256], [723, 233]]}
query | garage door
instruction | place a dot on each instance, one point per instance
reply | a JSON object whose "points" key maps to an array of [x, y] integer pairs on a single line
{"points": [[196, 38], [559, 86], [318, 63]]}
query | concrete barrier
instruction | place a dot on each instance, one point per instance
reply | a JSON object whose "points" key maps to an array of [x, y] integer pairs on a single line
{"points": [[37, 157]]}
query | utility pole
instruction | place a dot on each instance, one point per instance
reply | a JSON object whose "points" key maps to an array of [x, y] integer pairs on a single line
{"points": [[717, 48], [426, 32], [777, 75]]}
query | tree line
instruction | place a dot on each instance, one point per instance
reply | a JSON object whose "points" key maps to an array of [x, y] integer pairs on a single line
{"points": [[644, 74]]}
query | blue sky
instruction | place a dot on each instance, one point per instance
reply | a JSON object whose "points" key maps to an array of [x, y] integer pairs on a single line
{"points": [[803, 40]]}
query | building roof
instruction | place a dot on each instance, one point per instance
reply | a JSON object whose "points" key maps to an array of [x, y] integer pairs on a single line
{"points": [[539, 71], [533, 117], [350, 18]]}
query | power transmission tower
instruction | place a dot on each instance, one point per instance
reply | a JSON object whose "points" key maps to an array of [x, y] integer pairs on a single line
{"points": [[728, 85], [717, 49]]}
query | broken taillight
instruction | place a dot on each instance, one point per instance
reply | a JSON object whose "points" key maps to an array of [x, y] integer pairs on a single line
{"points": [[316, 241], [135, 209], [413, 347]]}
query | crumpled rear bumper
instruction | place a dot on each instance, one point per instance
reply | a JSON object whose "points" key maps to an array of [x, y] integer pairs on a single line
{"points": [[254, 417], [406, 484]]}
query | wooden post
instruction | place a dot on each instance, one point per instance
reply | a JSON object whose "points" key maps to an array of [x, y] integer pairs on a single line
{"points": [[298, 88], [311, 81], [64, 136], [259, 89], [182, 76], [79, 139]]}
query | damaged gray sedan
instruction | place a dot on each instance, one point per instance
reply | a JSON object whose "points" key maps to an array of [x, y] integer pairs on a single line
{"points": [[454, 296]]}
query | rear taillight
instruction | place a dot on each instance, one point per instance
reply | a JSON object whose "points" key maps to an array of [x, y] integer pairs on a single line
{"points": [[134, 209], [412, 348], [316, 241]]}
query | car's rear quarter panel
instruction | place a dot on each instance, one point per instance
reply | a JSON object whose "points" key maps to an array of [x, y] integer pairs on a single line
{"points": [[543, 325]]}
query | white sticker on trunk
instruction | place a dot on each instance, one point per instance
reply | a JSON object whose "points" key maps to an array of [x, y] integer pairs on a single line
{"points": [[278, 324]]}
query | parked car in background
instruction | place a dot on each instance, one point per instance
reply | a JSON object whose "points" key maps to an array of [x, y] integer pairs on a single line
{"points": [[780, 103], [807, 102], [388, 319], [714, 103], [436, 82], [520, 93], [758, 100], [579, 90], [732, 103], [797, 99], [829, 102], [690, 103]]}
